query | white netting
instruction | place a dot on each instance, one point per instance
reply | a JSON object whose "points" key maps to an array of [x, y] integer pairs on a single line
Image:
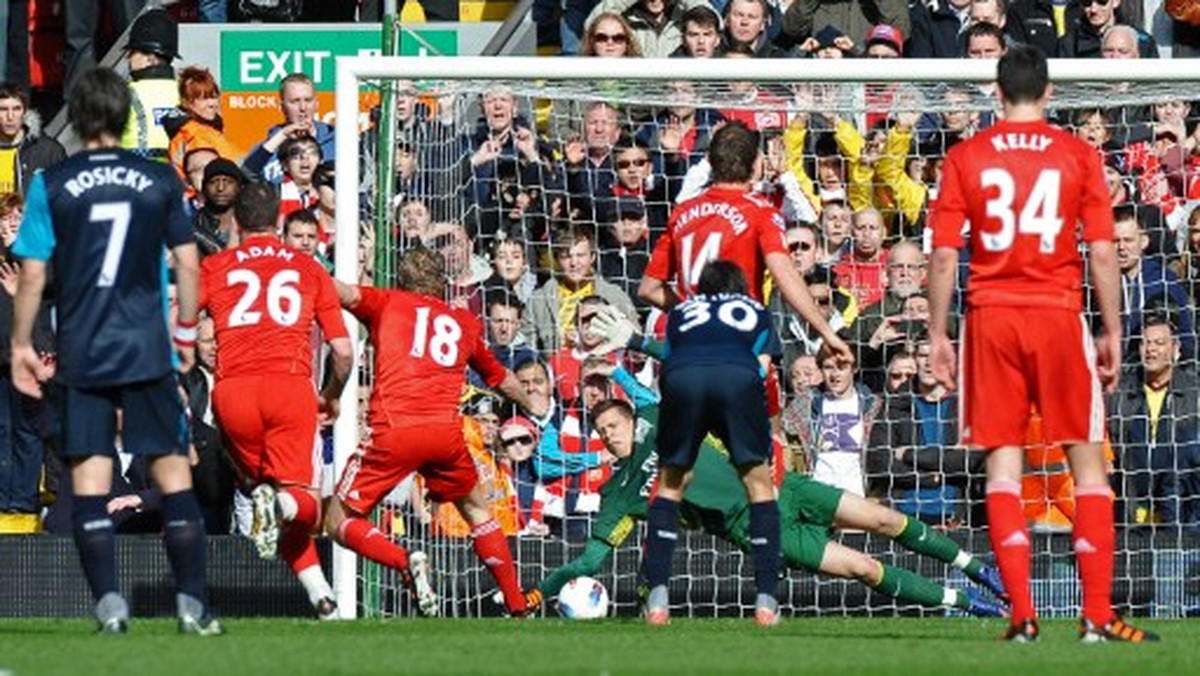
{"points": [[525, 173]]}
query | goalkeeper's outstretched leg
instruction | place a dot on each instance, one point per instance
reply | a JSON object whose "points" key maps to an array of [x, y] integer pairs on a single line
{"points": [[861, 514]]}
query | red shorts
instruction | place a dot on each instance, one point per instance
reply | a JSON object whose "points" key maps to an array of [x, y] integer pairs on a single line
{"points": [[1015, 357], [271, 424], [439, 452]]}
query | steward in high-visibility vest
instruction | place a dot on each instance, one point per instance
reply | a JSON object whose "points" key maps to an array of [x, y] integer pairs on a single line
{"points": [[153, 44]]}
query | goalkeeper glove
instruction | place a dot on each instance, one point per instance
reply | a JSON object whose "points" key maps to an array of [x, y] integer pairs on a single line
{"points": [[613, 328]]}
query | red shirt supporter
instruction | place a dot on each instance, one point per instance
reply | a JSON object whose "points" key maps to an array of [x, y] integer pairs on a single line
{"points": [[723, 223], [422, 348], [1032, 161], [264, 297]]}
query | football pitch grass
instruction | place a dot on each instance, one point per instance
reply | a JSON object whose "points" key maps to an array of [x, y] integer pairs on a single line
{"points": [[876, 646]]}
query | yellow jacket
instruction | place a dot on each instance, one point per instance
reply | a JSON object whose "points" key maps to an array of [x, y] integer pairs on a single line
{"points": [[153, 99], [910, 195]]}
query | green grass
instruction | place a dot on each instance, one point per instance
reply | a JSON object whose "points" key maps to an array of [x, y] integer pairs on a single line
{"points": [[260, 647]]}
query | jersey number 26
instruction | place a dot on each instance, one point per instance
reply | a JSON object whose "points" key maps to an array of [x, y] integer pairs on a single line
{"points": [[283, 298]]}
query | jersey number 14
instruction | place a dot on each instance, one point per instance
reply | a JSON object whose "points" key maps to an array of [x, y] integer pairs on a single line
{"points": [[1039, 215]]}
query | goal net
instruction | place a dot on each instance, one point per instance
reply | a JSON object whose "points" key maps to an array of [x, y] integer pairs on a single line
{"points": [[526, 171]]}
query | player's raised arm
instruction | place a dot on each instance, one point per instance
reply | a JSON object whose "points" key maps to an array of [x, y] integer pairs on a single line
{"points": [[795, 293]]}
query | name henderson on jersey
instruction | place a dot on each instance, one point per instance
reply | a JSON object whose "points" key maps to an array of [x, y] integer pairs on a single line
{"points": [[108, 175]]}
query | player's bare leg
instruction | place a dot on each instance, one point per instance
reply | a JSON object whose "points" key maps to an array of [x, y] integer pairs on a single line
{"points": [[764, 540], [662, 518], [354, 531], [842, 561], [183, 534], [91, 479], [862, 514], [492, 549], [1009, 535], [1095, 541]]}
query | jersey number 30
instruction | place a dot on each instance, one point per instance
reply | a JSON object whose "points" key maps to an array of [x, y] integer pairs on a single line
{"points": [[1039, 215], [283, 298]]}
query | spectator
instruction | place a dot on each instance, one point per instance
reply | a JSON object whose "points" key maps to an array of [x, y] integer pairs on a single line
{"points": [[829, 43], [325, 182], [197, 123], [481, 425], [1187, 266], [747, 23], [655, 25], [466, 270], [1120, 42], [901, 370], [213, 475], [844, 412], [936, 28], [589, 159], [194, 163], [609, 35], [298, 102], [914, 458], [678, 136], [627, 247], [835, 231], [984, 41], [511, 274], [1083, 39], [636, 183], [299, 156], [504, 335], [302, 231], [23, 148], [1155, 428], [567, 362], [551, 310], [153, 45], [884, 42], [1148, 285], [701, 38], [803, 18], [1185, 27], [214, 223], [862, 272], [519, 438]]}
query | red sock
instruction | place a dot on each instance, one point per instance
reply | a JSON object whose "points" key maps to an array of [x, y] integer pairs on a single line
{"points": [[308, 510], [492, 549], [1010, 543], [363, 537], [297, 548], [1095, 541]]}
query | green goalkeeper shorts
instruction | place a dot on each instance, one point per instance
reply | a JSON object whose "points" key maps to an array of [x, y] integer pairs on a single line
{"points": [[806, 510]]}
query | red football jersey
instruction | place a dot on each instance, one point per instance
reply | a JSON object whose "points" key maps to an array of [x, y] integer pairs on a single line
{"points": [[263, 297], [422, 350], [1026, 188], [720, 224]]}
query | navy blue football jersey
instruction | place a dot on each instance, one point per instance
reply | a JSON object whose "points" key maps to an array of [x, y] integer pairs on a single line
{"points": [[719, 329], [104, 219]]}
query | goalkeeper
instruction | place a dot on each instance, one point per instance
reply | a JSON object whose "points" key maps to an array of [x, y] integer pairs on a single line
{"points": [[715, 503]]}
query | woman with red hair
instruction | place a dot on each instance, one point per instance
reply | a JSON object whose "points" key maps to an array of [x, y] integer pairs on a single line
{"points": [[198, 123]]}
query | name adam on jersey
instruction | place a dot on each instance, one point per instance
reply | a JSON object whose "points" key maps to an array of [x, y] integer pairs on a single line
{"points": [[98, 177], [267, 251]]}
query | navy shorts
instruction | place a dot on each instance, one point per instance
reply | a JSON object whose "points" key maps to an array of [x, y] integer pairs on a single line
{"points": [[154, 420], [730, 402]]}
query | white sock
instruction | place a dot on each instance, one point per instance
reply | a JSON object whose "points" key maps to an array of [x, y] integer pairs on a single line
{"points": [[287, 506], [950, 597], [960, 562], [313, 581]]}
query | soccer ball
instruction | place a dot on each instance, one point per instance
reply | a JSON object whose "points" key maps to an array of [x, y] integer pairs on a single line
{"points": [[583, 598]]}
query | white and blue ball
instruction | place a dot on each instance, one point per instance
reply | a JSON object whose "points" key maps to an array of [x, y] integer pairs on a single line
{"points": [[583, 598]]}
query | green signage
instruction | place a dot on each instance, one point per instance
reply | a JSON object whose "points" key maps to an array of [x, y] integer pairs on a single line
{"points": [[254, 61]]}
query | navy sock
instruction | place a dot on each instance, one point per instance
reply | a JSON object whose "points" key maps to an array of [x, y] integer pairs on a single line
{"points": [[183, 532], [93, 530], [764, 542], [661, 519]]}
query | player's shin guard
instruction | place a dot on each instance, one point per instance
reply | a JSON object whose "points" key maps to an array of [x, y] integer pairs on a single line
{"points": [[764, 541], [1010, 543], [492, 549], [661, 523], [93, 530], [183, 534], [1095, 540], [363, 537]]}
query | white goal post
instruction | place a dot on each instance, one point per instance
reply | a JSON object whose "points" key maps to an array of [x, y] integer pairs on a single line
{"points": [[353, 72]]}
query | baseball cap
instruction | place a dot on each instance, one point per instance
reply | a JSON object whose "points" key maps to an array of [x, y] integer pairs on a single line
{"points": [[827, 35], [888, 35], [518, 427], [223, 167], [482, 403]]}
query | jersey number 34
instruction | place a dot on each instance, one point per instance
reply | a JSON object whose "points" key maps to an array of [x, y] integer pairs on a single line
{"points": [[1039, 214]]}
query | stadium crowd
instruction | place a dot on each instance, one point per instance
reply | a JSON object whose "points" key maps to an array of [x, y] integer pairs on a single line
{"points": [[546, 213]]}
